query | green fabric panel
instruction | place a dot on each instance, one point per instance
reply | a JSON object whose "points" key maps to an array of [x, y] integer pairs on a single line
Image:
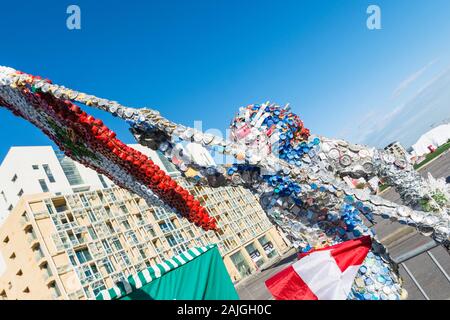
{"points": [[203, 278]]}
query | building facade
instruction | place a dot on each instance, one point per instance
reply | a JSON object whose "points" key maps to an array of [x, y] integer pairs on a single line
{"points": [[68, 233], [75, 245]]}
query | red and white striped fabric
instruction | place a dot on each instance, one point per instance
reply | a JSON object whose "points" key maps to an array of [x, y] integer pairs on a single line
{"points": [[323, 274]]}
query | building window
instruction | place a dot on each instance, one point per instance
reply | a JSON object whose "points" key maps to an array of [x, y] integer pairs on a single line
{"points": [[107, 265], [12, 256], [254, 254], [98, 287], [20, 193], [91, 215], [240, 264], [85, 201], [49, 173], [19, 273], [3, 295], [14, 178], [142, 253], [4, 196], [102, 180], [35, 167], [267, 246], [38, 251], [125, 258], [123, 208], [49, 208], [165, 227], [6, 240], [92, 233], [150, 230], [83, 255], [45, 268], [110, 227], [26, 290], [171, 240], [10, 207], [126, 225], [132, 237], [106, 245], [169, 166], [117, 244], [43, 185], [72, 260], [54, 289]]}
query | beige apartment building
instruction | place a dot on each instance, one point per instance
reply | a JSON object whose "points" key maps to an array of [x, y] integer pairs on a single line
{"points": [[75, 245]]}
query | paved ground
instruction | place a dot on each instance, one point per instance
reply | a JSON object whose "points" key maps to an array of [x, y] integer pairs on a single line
{"points": [[253, 288], [400, 240]]}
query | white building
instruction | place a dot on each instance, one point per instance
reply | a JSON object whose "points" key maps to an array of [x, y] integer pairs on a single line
{"points": [[434, 138], [31, 170]]}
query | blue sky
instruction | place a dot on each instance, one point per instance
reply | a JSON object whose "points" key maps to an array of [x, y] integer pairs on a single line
{"points": [[201, 60]]}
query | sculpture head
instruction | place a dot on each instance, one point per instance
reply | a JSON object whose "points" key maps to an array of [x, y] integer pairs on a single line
{"points": [[270, 128]]}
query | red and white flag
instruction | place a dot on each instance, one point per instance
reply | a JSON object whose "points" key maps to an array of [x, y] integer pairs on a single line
{"points": [[323, 274]]}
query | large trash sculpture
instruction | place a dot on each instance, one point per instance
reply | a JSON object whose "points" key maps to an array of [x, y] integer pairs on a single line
{"points": [[297, 176]]}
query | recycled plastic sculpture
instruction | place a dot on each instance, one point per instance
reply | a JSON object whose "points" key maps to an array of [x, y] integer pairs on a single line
{"points": [[297, 176]]}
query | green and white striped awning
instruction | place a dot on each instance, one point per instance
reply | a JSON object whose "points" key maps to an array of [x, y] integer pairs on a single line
{"points": [[146, 276]]}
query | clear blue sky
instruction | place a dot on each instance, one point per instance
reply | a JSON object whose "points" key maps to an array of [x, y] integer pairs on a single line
{"points": [[201, 60]]}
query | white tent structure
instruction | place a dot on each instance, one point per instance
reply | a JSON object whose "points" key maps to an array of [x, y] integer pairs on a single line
{"points": [[435, 137]]}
